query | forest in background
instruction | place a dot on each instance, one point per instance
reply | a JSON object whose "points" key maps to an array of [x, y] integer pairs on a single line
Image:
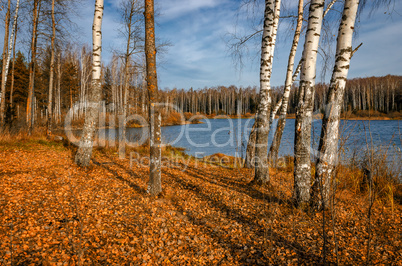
{"points": [[55, 73], [379, 94]]}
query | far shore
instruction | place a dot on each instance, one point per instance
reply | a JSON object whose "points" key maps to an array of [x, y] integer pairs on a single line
{"points": [[316, 116], [199, 117]]}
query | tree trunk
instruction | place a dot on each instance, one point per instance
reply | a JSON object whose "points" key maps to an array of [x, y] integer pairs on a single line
{"points": [[304, 109], [59, 87], [51, 75], [13, 70], [328, 147], [250, 151], [4, 72], [155, 182], [273, 152], [83, 156], [128, 20], [271, 18], [30, 106]]}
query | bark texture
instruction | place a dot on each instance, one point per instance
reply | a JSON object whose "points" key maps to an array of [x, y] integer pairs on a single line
{"points": [[13, 71], [84, 153], [328, 146], [304, 109], [290, 77], [4, 74], [155, 182], [271, 18], [30, 100], [51, 74], [250, 151]]}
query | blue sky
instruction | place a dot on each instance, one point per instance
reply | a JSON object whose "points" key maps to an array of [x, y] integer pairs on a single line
{"points": [[199, 57]]}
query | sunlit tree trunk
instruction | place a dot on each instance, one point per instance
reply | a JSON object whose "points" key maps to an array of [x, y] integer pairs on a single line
{"points": [[30, 106], [155, 182], [59, 76], [304, 109], [4, 72], [83, 156], [11, 47], [276, 142], [328, 147], [250, 150], [271, 18], [51, 74], [273, 152], [13, 70]]}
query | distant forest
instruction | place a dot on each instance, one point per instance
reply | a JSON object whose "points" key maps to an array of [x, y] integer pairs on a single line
{"points": [[382, 94]]}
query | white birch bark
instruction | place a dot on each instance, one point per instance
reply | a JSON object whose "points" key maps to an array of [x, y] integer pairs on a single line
{"points": [[304, 109], [273, 152], [84, 152], [271, 19], [289, 80], [328, 147], [12, 73], [4, 75], [10, 48]]}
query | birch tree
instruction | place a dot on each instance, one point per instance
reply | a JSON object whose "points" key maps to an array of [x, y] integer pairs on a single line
{"points": [[3, 73], [328, 146], [13, 69], [304, 109], [271, 18], [83, 156], [6, 60], [283, 103], [155, 182]]}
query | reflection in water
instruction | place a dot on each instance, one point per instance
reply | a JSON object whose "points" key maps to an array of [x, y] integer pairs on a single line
{"points": [[229, 136]]}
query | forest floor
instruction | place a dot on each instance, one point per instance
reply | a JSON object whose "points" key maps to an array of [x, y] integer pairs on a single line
{"points": [[55, 213]]}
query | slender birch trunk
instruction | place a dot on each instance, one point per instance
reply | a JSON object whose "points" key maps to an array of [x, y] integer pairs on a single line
{"points": [[83, 156], [51, 75], [4, 72], [274, 111], [304, 109], [13, 69], [328, 147], [155, 182], [250, 150], [273, 152], [276, 142], [271, 18]]}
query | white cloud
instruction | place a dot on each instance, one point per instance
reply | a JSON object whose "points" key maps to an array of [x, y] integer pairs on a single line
{"points": [[171, 9]]}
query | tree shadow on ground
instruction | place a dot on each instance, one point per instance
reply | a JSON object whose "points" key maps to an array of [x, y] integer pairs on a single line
{"points": [[238, 186], [221, 236], [119, 177]]}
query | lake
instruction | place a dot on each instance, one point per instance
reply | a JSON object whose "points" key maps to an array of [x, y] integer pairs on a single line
{"points": [[229, 136]]}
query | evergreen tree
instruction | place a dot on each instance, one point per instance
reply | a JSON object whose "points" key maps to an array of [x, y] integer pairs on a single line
{"points": [[21, 79], [107, 86]]}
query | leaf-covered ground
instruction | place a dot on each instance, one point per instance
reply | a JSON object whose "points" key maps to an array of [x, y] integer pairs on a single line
{"points": [[54, 213]]}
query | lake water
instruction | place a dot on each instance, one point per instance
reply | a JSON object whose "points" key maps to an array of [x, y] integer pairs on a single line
{"points": [[229, 136]]}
